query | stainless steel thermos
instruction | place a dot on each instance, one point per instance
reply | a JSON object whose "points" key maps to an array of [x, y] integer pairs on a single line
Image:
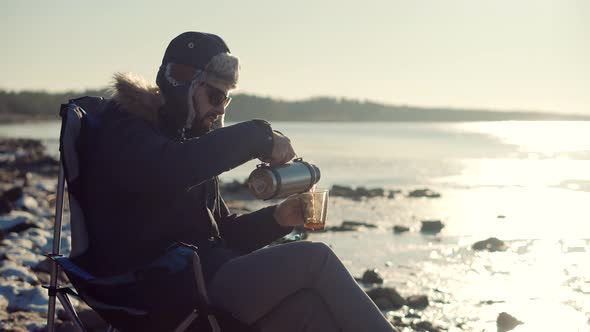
{"points": [[298, 176]]}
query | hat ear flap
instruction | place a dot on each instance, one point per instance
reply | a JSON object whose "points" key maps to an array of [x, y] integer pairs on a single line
{"points": [[175, 111]]}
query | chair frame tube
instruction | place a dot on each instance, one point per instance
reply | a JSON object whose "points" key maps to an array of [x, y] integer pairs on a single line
{"points": [[65, 302], [59, 204]]}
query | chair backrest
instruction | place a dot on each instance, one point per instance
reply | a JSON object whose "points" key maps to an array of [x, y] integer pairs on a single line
{"points": [[74, 120]]}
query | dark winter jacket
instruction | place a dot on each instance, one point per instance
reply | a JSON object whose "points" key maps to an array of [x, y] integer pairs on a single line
{"points": [[141, 190]]}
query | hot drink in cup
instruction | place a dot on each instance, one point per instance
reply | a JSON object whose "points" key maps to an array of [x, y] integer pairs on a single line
{"points": [[314, 207]]}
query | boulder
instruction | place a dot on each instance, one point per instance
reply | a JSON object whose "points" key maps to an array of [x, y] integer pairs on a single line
{"points": [[342, 191], [11, 269], [492, 244], [342, 228], [43, 269], [431, 226], [28, 203], [234, 186], [506, 322], [16, 221], [5, 206], [425, 326], [417, 301], [423, 193], [22, 296], [397, 229], [13, 194], [372, 277], [356, 194], [351, 223], [386, 298], [22, 321], [392, 193]]}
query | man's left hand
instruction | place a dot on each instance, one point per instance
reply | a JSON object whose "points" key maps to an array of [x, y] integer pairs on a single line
{"points": [[289, 212]]}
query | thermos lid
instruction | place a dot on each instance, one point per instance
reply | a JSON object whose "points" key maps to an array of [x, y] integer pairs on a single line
{"points": [[262, 182]]}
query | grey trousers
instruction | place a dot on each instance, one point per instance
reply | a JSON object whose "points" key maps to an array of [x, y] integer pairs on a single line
{"points": [[299, 286]]}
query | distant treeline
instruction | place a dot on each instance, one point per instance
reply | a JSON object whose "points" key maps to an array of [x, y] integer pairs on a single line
{"points": [[26, 105]]}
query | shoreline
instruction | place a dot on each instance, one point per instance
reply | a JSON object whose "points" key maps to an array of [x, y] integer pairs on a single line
{"points": [[410, 295], [27, 207]]}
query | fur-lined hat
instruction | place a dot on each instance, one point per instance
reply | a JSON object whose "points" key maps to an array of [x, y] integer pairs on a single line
{"points": [[187, 62]]}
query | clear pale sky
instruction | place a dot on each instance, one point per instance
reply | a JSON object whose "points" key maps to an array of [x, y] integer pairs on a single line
{"points": [[495, 54]]}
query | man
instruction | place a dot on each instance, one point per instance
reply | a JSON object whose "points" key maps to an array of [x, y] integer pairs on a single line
{"points": [[149, 179]]}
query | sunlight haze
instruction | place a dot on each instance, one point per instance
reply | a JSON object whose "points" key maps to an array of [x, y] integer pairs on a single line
{"points": [[501, 55]]}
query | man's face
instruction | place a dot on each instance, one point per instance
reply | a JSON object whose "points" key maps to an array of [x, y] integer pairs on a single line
{"points": [[209, 102]]}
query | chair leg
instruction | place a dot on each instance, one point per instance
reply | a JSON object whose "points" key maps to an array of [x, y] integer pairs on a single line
{"points": [[213, 323], [51, 314], [187, 321], [56, 245], [65, 302]]}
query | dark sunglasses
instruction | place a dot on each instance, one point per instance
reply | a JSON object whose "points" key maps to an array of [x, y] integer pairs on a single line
{"points": [[216, 96]]}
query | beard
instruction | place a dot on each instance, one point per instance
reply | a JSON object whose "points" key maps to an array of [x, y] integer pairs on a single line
{"points": [[204, 124]]}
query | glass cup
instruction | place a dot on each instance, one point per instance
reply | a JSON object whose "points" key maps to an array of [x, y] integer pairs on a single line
{"points": [[314, 205]]}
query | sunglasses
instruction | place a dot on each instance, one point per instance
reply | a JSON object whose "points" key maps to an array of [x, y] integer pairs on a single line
{"points": [[216, 96]]}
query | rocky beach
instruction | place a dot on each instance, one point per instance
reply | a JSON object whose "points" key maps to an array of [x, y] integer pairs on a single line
{"points": [[28, 179]]}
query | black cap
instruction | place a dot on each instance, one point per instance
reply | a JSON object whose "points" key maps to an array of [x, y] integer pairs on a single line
{"points": [[194, 49]]}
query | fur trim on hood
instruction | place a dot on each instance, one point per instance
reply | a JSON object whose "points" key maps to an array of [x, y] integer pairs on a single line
{"points": [[137, 96]]}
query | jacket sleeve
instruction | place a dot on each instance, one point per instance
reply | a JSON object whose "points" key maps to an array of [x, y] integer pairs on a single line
{"points": [[250, 231], [141, 159]]}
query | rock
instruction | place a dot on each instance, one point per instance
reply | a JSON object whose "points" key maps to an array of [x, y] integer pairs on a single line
{"points": [[386, 298], [22, 321], [342, 228], [364, 192], [372, 277], [21, 250], [431, 226], [5, 206], [234, 186], [22, 296], [350, 226], [492, 244], [506, 322], [425, 326], [14, 270], [16, 221], [28, 203], [13, 194], [356, 194], [397, 229], [39, 237], [43, 270], [417, 301], [347, 223], [423, 193], [342, 191]]}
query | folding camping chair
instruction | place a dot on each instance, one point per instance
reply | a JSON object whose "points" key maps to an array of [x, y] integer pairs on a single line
{"points": [[74, 120]]}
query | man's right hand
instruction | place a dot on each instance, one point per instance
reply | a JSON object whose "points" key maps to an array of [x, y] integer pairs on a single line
{"points": [[282, 151]]}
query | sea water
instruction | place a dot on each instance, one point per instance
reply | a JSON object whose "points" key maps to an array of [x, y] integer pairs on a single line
{"points": [[527, 183]]}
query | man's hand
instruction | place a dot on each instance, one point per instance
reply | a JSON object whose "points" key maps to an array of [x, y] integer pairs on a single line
{"points": [[282, 151], [289, 212]]}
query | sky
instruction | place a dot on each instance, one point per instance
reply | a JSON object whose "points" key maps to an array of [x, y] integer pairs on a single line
{"points": [[531, 55]]}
